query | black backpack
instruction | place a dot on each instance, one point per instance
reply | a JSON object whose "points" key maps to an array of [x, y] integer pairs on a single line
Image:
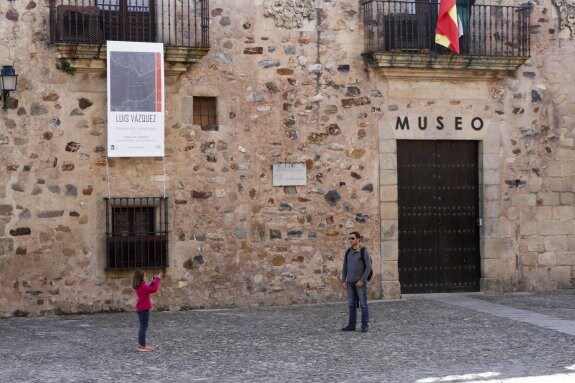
{"points": [[362, 252]]}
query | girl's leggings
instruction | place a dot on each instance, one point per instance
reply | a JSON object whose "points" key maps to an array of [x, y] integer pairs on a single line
{"points": [[144, 317]]}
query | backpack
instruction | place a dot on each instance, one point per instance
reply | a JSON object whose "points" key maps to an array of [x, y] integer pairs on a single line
{"points": [[362, 252]]}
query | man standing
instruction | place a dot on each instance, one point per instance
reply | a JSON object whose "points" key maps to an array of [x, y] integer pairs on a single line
{"points": [[356, 268]]}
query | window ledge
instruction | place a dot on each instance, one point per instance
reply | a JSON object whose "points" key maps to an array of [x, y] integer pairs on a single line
{"points": [[91, 58], [410, 66]]}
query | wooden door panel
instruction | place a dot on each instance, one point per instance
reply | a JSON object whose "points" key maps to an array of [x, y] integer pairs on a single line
{"points": [[457, 174], [417, 221], [438, 210]]}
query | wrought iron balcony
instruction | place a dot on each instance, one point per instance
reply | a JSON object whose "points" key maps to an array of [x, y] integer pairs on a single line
{"points": [[401, 34], [80, 28]]}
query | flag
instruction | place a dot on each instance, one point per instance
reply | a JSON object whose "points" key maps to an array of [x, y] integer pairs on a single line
{"points": [[447, 30]]}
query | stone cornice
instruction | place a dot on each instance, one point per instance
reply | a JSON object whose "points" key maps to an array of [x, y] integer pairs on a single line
{"points": [[402, 65], [290, 13], [91, 58]]}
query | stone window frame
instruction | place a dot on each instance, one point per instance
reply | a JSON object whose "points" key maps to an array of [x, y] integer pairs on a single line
{"points": [[187, 106]]}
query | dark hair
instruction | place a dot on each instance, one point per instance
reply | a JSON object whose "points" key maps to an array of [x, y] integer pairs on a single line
{"points": [[356, 234], [138, 278]]}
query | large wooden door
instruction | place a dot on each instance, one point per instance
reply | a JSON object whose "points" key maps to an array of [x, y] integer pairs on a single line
{"points": [[438, 216]]}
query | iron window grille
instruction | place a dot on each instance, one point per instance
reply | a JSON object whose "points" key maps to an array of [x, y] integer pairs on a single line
{"points": [[136, 232], [205, 111], [79, 23], [174, 23]]}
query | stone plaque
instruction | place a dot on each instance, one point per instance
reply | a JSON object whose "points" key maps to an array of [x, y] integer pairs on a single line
{"points": [[567, 14], [289, 174], [290, 13]]}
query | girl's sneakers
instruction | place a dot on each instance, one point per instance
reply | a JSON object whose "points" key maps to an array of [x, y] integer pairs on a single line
{"points": [[145, 348]]}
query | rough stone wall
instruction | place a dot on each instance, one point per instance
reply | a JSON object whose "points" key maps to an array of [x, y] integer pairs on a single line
{"points": [[284, 94], [300, 94], [537, 211]]}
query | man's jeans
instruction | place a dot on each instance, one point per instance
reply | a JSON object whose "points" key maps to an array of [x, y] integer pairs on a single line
{"points": [[144, 317], [353, 294]]}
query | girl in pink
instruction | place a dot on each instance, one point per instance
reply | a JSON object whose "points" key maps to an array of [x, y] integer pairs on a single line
{"points": [[144, 304]]}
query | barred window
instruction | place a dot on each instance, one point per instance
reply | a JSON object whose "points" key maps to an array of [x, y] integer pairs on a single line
{"points": [[205, 111], [136, 232]]}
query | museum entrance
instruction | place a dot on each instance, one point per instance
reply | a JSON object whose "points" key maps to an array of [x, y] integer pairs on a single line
{"points": [[438, 208]]}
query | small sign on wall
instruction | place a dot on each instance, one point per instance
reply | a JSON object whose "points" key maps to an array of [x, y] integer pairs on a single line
{"points": [[289, 174]]}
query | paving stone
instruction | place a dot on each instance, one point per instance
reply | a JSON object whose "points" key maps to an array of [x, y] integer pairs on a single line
{"points": [[419, 339]]}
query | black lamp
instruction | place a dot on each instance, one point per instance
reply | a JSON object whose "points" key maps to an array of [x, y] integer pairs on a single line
{"points": [[8, 79]]}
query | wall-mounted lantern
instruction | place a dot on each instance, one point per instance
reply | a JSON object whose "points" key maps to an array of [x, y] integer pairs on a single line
{"points": [[8, 79]]}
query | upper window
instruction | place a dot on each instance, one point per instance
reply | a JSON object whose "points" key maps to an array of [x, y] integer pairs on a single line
{"points": [[205, 111]]}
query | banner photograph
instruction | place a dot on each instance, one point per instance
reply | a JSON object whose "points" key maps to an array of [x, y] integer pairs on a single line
{"points": [[135, 99]]}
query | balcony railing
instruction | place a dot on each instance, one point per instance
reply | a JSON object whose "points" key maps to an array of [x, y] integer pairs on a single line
{"points": [[175, 23], [408, 28]]}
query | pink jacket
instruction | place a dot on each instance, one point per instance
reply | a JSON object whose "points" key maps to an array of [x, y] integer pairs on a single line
{"points": [[143, 292]]}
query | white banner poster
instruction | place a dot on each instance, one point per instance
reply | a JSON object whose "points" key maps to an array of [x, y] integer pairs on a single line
{"points": [[135, 99]]}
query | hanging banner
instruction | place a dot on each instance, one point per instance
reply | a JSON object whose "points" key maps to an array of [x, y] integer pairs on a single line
{"points": [[135, 99]]}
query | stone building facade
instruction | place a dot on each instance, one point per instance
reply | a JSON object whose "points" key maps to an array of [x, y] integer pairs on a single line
{"points": [[292, 85]]}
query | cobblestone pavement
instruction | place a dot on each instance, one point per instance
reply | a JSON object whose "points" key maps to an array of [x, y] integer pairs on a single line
{"points": [[419, 339]]}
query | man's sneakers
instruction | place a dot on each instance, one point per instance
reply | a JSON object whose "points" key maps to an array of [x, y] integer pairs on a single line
{"points": [[348, 328], [364, 329], [145, 348]]}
